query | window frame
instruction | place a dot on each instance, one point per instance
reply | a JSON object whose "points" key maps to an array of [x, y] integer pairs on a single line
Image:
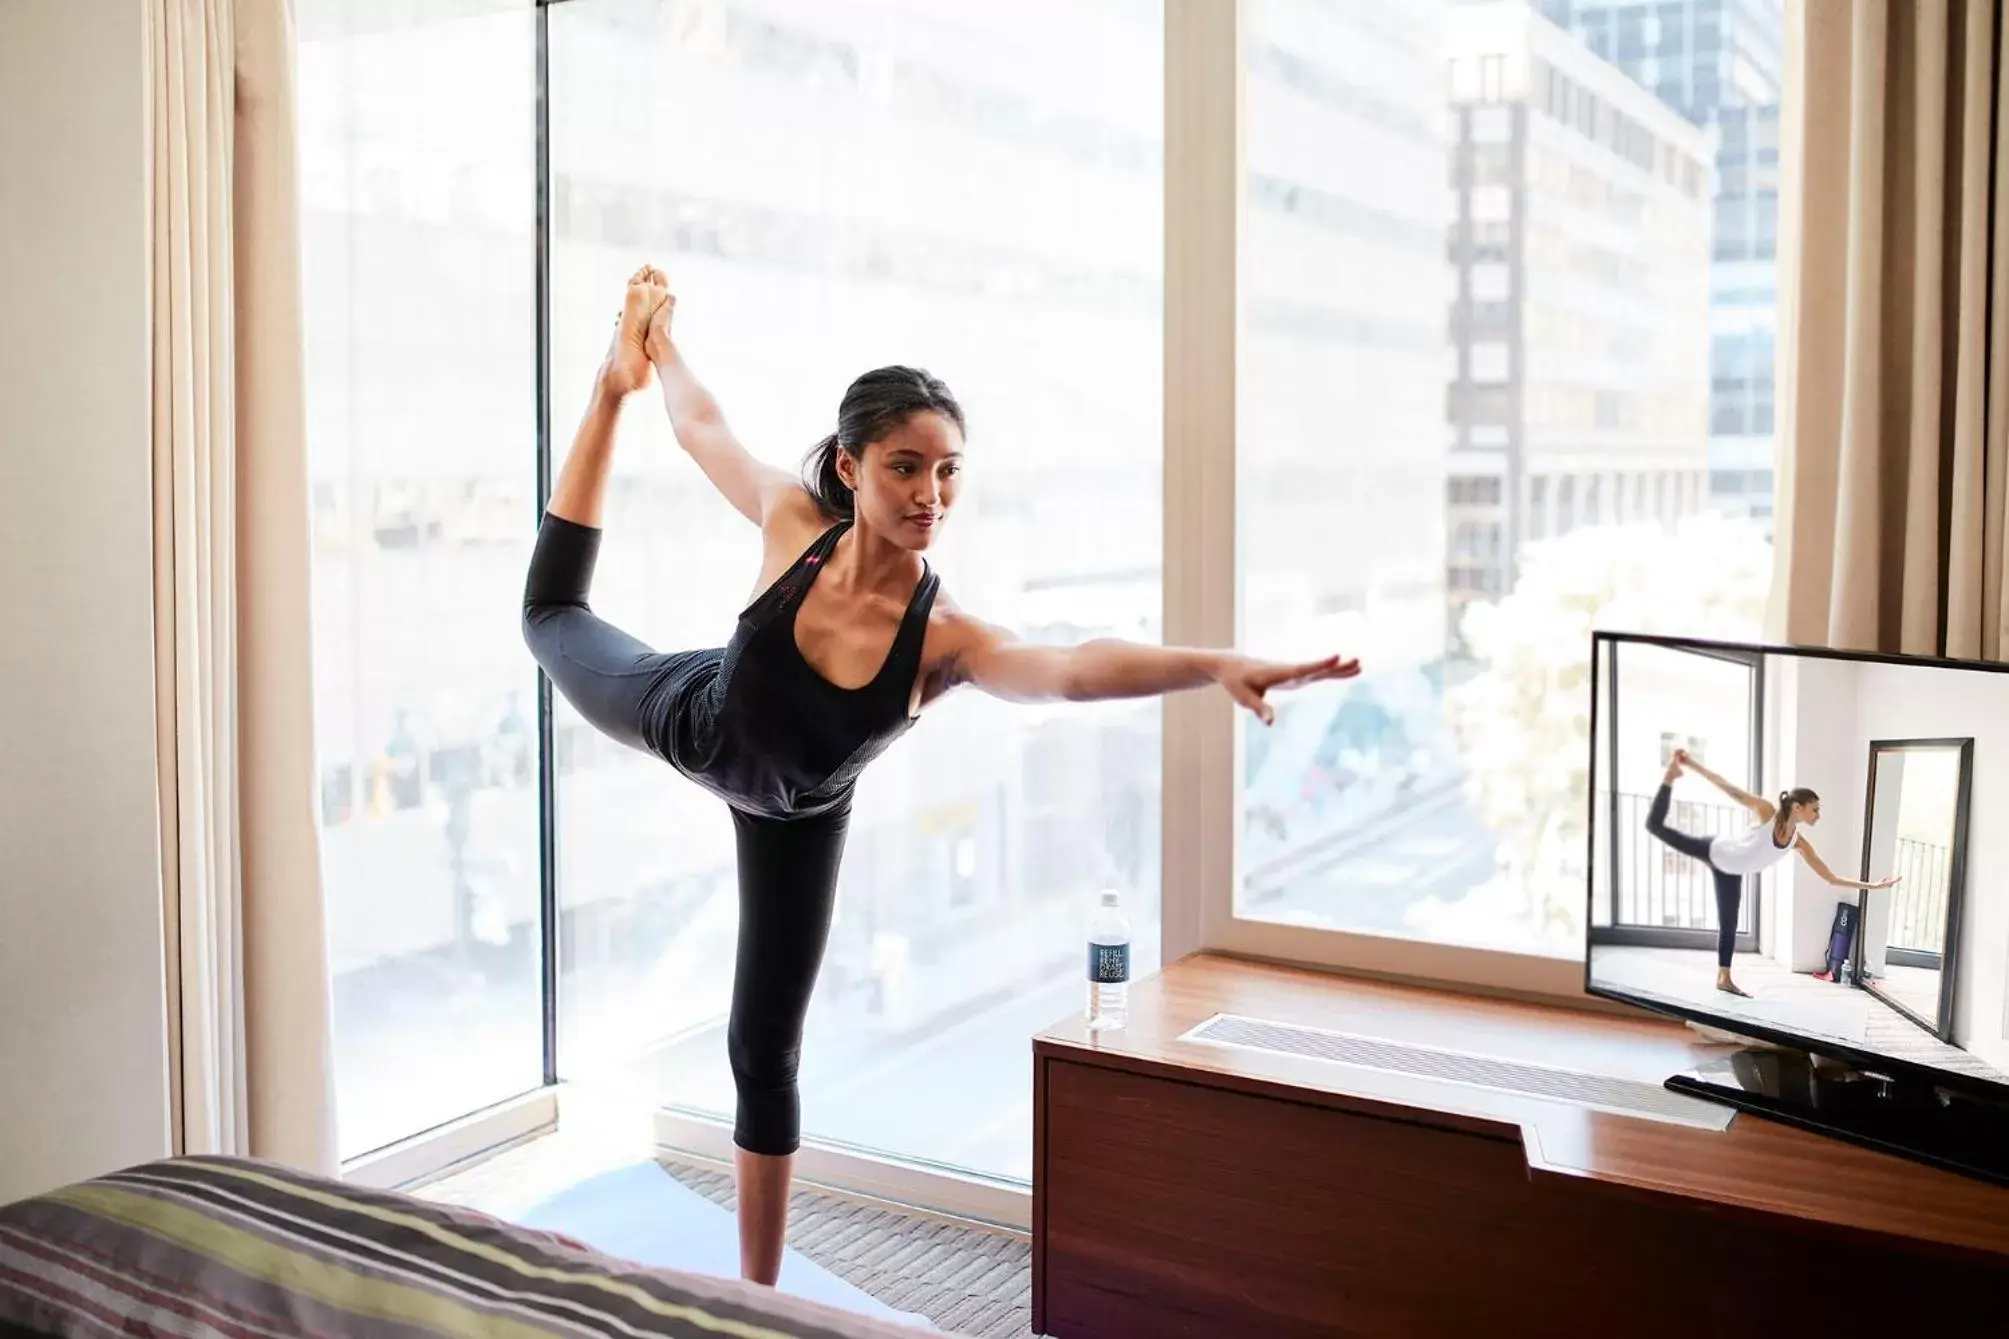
{"points": [[1607, 659], [1204, 186], [1205, 183]]}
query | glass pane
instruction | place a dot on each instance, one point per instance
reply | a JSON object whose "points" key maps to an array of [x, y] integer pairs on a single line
{"points": [[1662, 700], [1441, 796], [416, 165], [831, 187]]}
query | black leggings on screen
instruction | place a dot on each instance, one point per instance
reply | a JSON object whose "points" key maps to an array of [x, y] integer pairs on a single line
{"points": [[1729, 887]]}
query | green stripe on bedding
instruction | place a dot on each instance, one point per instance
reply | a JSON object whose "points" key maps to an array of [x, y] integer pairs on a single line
{"points": [[362, 1294], [494, 1255], [376, 1299]]}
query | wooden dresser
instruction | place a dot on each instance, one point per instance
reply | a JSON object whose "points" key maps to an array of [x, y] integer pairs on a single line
{"points": [[1182, 1188]]}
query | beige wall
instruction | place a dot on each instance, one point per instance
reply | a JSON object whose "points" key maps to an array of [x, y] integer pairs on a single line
{"points": [[82, 1034]]}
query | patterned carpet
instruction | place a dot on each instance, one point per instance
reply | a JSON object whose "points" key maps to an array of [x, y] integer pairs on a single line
{"points": [[969, 1281]]}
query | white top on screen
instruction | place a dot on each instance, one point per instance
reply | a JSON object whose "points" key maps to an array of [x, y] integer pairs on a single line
{"points": [[1749, 852]]}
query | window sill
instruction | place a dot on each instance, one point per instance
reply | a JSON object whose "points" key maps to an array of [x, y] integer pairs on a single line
{"points": [[1461, 968], [456, 1145], [978, 1199]]}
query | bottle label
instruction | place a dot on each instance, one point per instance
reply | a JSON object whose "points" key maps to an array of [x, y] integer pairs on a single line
{"points": [[1108, 964]]}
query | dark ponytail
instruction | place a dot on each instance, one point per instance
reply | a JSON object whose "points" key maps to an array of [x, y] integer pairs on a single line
{"points": [[1789, 798], [878, 403], [825, 484]]}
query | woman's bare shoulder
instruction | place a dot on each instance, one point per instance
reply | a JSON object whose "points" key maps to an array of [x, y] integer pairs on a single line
{"points": [[792, 523], [954, 635]]}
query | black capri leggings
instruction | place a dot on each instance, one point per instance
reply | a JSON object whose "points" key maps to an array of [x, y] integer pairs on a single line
{"points": [[787, 867], [1729, 887]]}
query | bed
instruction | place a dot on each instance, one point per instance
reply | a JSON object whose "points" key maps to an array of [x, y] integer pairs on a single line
{"points": [[247, 1249]]}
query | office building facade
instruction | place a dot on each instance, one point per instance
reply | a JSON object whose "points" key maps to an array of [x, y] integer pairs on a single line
{"points": [[1718, 62], [1580, 329]]}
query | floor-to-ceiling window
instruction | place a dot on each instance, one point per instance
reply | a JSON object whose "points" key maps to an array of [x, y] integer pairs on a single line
{"points": [[1475, 267], [1657, 699], [833, 186], [1475, 367], [417, 161]]}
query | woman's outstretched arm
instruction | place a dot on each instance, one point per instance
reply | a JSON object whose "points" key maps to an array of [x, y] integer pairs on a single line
{"points": [[993, 661], [752, 485], [1828, 876], [1763, 808]]}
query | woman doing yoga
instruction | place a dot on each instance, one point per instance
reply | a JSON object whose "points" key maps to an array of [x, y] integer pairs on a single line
{"points": [[1733, 858], [848, 636]]}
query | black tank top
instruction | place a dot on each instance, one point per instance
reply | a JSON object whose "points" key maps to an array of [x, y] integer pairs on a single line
{"points": [[767, 733]]}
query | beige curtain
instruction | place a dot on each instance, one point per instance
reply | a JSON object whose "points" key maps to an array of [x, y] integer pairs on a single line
{"points": [[1894, 328], [247, 960]]}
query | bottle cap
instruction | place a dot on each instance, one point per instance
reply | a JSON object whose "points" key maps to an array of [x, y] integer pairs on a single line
{"points": [[1111, 898]]}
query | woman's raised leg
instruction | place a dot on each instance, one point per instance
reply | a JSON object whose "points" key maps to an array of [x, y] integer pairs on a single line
{"points": [[581, 488], [1656, 819], [602, 671]]}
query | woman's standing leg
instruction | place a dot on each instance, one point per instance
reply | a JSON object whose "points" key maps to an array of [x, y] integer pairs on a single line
{"points": [[1691, 845], [1729, 899], [787, 893]]}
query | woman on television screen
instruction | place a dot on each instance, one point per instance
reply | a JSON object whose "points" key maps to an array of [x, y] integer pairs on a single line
{"points": [[1732, 857]]}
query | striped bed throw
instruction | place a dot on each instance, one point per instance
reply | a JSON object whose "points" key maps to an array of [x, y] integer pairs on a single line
{"points": [[245, 1249]]}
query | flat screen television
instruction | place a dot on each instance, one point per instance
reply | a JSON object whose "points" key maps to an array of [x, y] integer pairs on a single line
{"points": [[1805, 852]]}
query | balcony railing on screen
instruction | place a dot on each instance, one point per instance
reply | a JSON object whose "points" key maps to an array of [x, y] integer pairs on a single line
{"points": [[1918, 904], [1656, 888]]}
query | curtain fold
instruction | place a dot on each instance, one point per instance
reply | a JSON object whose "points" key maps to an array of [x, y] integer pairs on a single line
{"points": [[246, 957], [288, 1036], [1889, 526]]}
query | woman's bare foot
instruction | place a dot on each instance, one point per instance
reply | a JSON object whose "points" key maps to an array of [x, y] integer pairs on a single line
{"points": [[627, 368], [1729, 987], [657, 342]]}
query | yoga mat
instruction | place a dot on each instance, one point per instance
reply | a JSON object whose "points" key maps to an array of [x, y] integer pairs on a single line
{"points": [[642, 1213]]}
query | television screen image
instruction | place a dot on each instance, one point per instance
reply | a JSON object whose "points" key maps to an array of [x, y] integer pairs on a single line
{"points": [[1806, 848]]}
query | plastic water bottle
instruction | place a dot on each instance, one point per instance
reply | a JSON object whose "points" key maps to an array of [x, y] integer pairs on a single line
{"points": [[1108, 964]]}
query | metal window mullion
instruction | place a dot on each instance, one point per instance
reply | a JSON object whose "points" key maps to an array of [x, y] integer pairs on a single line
{"points": [[547, 769]]}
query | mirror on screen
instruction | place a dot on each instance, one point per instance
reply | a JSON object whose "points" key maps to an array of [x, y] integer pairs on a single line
{"points": [[1782, 847], [1915, 821]]}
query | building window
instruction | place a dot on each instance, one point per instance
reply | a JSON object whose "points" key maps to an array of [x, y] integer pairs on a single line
{"points": [[1490, 404], [1492, 78], [1492, 164], [1491, 242]]}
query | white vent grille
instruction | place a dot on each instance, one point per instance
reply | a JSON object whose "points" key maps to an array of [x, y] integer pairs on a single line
{"points": [[1626, 1097]]}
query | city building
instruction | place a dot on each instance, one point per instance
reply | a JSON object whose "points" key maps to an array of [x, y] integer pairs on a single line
{"points": [[1580, 329], [1718, 62]]}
